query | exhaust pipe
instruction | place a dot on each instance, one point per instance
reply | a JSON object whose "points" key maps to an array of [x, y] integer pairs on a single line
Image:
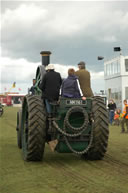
{"points": [[45, 57]]}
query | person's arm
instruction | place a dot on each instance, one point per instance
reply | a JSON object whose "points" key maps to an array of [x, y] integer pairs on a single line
{"points": [[81, 93], [62, 86], [78, 86], [60, 80]]}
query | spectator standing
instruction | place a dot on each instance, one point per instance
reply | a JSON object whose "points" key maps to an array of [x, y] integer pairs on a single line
{"points": [[117, 117], [84, 79], [50, 86], [124, 117], [112, 108]]}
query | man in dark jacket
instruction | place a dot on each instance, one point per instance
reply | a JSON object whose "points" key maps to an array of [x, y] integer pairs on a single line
{"points": [[84, 79], [50, 86]]}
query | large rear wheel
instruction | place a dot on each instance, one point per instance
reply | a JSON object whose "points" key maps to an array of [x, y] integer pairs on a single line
{"points": [[33, 128], [100, 130]]}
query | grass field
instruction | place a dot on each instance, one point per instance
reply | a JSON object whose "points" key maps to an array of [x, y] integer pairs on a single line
{"points": [[61, 173]]}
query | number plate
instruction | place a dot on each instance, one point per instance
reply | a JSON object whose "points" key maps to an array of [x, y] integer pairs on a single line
{"points": [[76, 102]]}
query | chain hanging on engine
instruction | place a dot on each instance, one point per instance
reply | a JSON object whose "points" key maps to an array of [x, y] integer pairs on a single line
{"points": [[80, 129]]}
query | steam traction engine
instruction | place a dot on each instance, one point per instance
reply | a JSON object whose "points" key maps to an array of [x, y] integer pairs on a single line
{"points": [[77, 126]]}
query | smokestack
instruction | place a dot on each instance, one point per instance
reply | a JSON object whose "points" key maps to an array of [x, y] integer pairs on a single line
{"points": [[45, 57]]}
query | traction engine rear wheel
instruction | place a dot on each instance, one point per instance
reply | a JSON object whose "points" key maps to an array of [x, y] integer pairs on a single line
{"points": [[33, 128], [100, 130]]}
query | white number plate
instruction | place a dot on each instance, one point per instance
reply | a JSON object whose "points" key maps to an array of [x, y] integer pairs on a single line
{"points": [[76, 102]]}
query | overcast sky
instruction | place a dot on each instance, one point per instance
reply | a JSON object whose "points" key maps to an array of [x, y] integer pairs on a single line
{"points": [[71, 30]]}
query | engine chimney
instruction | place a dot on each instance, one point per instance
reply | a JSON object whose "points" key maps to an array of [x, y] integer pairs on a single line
{"points": [[45, 57]]}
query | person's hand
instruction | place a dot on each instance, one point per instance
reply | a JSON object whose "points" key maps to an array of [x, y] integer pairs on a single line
{"points": [[83, 98]]}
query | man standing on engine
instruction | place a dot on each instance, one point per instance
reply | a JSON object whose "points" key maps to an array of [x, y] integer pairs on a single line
{"points": [[50, 86], [84, 80]]}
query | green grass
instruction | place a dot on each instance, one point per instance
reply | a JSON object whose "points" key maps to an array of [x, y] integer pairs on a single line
{"points": [[61, 173]]}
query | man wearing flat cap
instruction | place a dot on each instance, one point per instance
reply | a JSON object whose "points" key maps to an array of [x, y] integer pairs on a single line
{"points": [[84, 80]]}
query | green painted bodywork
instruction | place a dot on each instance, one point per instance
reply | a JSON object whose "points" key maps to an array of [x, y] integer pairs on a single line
{"points": [[76, 120]]}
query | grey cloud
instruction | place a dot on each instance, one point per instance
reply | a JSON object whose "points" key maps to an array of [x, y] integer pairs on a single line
{"points": [[73, 31]]}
